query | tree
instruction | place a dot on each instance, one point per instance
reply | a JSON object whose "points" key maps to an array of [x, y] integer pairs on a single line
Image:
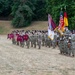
{"points": [[40, 10], [22, 14], [54, 8], [5, 7]]}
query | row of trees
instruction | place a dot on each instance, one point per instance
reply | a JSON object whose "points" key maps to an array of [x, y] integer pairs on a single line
{"points": [[26, 11], [54, 8]]}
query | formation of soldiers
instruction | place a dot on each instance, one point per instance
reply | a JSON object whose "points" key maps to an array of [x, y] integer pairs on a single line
{"points": [[66, 44], [32, 38], [37, 38]]}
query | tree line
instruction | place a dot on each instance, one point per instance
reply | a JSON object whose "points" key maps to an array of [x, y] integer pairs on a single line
{"points": [[23, 12]]}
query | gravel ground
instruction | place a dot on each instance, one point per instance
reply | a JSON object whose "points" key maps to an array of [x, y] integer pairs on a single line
{"points": [[15, 60]]}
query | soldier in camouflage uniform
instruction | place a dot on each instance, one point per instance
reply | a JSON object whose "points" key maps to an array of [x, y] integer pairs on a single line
{"points": [[65, 45], [73, 44], [22, 40], [39, 40], [33, 42], [46, 39], [43, 38], [49, 42], [14, 38], [61, 45], [54, 41], [27, 40], [69, 46], [31, 38]]}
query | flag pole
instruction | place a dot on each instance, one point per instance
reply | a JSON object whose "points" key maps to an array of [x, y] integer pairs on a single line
{"points": [[66, 27]]}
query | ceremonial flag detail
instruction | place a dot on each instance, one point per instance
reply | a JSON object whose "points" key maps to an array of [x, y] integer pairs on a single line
{"points": [[51, 27], [65, 19]]}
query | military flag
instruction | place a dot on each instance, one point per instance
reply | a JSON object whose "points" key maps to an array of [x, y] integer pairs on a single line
{"points": [[61, 22], [65, 19], [51, 27]]}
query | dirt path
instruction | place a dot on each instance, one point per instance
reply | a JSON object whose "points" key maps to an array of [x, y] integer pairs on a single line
{"points": [[15, 60]]}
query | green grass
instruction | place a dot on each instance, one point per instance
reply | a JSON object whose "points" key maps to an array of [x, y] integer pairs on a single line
{"points": [[1, 30]]}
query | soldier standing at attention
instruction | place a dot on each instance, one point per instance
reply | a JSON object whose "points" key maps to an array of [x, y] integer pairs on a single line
{"points": [[54, 41], [73, 44], [69, 46], [32, 37], [46, 39], [28, 40], [26, 37], [43, 38], [39, 40]]}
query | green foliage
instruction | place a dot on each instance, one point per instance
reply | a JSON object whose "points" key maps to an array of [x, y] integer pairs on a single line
{"points": [[54, 8], [40, 12], [5, 7], [26, 11], [22, 15]]}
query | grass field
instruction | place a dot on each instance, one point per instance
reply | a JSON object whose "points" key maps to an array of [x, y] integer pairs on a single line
{"points": [[6, 27]]}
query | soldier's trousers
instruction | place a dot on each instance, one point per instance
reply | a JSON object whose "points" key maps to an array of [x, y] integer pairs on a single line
{"points": [[22, 44], [73, 52], [43, 42], [31, 43], [27, 43], [39, 44], [69, 51], [13, 41], [34, 43], [54, 44]]}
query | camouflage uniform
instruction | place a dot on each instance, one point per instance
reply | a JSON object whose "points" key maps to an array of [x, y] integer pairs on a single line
{"points": [[22, 40], [28, 41], [69, 47], [39, 40], [65, 46], [73, 44], [46, 39], [31, 39], [54, 41], [43, 39], [61, 45]]}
